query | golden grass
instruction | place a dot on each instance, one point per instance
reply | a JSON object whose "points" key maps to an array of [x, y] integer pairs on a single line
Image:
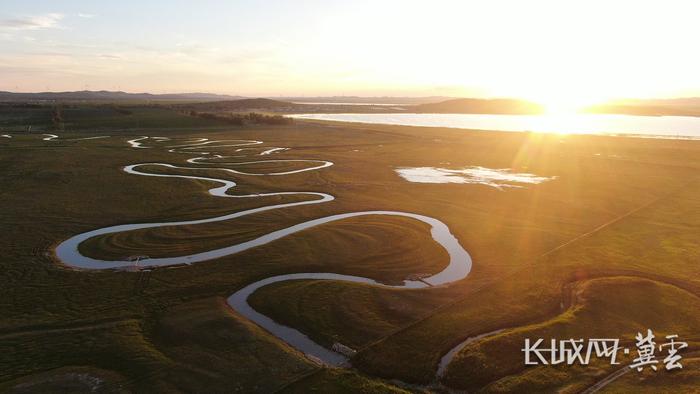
{"points": [[53, 190]]}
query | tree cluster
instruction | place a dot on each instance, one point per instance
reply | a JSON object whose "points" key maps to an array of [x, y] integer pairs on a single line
{"points": [[241, 119]]}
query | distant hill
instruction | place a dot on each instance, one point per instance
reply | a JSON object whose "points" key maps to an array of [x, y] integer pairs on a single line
{"points": [[480, 106], [209, 102], [670, 102], [384, 100], [105, 95], [244, 105], [689, 106]]}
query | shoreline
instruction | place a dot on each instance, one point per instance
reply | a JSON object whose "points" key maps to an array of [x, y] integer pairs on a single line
{"points": [[441, 120]]}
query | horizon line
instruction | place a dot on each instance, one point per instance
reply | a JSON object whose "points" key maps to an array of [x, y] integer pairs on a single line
{"points": [[244, 96]]}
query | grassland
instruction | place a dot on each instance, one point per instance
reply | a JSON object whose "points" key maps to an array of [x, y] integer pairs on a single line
{"points": [[607, 248], [94, 118]]}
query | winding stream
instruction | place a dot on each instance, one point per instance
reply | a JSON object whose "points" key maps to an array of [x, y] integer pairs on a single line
{"points": [[68, 251]]}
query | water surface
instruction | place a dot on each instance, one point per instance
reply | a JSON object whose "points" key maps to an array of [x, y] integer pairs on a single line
{"points": [[498, 178], [663, 126]]}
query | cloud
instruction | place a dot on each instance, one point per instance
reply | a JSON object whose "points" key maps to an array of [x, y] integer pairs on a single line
{"points": [[86, 16], [109, 56], [35, 22]]}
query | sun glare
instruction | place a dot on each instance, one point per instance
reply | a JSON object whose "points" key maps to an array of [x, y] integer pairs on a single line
{"points": [[561, 106], [566, 102]]}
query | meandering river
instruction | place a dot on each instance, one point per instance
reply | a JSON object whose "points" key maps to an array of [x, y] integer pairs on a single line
{"points": [[69, 253]]}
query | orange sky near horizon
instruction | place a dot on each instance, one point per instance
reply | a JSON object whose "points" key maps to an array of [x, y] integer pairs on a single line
{"points": [[560, 53]]}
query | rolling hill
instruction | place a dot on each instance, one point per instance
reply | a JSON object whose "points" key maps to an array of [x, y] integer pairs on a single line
{"points": [[480, 106], [105, 95]]}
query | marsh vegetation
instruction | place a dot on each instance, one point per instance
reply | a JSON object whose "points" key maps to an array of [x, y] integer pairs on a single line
{"points": [[606, 247]]}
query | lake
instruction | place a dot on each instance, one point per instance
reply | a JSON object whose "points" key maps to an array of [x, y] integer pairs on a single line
{"points": [[658, 126]]}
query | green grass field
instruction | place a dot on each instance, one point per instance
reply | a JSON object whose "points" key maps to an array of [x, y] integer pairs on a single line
{"points": [[96, 118], [607, 248]]}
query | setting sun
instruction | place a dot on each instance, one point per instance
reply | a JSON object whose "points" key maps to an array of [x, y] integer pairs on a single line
{"points": [[562, 104], [564, 54]]}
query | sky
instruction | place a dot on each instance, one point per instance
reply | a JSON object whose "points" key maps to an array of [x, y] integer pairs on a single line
{"points": [[549, 51]]}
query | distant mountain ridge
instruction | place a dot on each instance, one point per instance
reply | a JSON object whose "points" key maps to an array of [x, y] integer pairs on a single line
{"points": [[106, 95], [682, 106], [481, 106], [243, 104], [365, 100], [680, 101]]}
